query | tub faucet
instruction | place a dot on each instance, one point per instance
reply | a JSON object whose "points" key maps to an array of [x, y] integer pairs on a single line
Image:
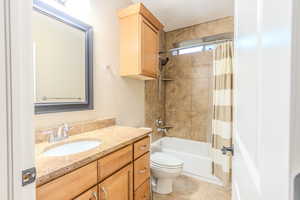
{"points": [[163, 130], [161, 127], [159, 123]]}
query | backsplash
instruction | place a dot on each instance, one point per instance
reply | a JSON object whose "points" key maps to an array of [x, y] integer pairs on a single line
{"points": [[75, 128]]}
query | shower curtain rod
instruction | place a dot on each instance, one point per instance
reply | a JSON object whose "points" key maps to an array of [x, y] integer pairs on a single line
{"points": [[196, 45]]}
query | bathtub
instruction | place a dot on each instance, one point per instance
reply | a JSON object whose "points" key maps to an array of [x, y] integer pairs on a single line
{"points": [[196, 156]]}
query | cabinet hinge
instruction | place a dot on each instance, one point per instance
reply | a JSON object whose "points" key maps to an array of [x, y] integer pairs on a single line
{"points": [[28, 176]]}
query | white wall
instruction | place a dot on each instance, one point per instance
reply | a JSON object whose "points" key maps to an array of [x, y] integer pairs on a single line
{"points": [[295, 137], [114, 96], [4, 171], [263, 99]]}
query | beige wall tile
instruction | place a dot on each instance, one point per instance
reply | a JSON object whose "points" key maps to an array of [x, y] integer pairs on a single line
{"points": [[178, 95], [189, 96], [187, 100]]}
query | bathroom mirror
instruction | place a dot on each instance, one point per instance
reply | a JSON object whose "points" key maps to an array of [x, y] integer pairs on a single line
{"points": [[62, 52]]}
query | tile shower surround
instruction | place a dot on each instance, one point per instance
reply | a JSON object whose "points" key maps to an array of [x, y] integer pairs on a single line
{"points": [[187, 104]]}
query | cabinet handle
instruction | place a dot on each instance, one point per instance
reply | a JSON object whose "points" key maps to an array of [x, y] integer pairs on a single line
{"points": [[143, 171], [105, 193], [95, 196], [144, 147]]}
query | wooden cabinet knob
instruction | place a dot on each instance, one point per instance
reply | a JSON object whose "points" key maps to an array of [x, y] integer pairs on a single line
{"points": [[143, 171], [144, 147], [105, 193], [94, 196]]}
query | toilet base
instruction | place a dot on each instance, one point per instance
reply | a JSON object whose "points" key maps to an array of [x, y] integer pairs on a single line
{"points": [[163, 186]]}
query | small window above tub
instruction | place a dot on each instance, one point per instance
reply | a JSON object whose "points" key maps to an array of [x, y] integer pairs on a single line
{"points": [[198, 45], [194, 49]]}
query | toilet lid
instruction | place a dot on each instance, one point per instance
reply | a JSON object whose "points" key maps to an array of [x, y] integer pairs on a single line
{"points": [[163, 159]]}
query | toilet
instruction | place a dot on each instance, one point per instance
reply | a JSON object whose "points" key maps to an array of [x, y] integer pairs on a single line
{"points": [[164, 168]]}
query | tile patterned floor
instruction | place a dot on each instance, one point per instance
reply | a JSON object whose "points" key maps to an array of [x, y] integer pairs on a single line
{"points": [[186, 188]]}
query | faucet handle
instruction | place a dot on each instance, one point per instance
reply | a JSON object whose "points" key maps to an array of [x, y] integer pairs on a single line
{"points": [[50, 134], [159, 123], [66, 127]]}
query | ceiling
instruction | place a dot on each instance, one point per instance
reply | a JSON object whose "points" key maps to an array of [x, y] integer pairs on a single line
{"points": [[175, 14]]}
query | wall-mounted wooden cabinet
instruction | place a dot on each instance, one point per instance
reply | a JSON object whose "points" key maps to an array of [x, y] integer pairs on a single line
{"points": [[139, 42]]}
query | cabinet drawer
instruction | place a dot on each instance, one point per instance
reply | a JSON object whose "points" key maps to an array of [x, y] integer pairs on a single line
{"points": [[91, 194], [141, 147], [114, 161], [69, 185], [141, 170], [143, 192]]}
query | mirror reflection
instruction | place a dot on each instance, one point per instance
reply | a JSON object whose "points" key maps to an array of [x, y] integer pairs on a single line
{"points": [[63, 61], [59, 55]]}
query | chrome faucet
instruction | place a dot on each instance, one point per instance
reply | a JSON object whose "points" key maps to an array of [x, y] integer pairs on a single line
{"points": [[161, 127], [163, 130], [159, 123], [61, 134]]}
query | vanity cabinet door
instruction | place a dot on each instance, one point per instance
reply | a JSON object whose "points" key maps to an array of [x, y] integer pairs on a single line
{"points": [[91, 194], [118, 186]]}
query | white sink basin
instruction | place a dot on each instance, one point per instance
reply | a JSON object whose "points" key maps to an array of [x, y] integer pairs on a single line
{"points": [[72, 148]]}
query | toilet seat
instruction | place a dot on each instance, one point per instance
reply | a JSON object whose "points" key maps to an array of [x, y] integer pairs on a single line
{"points": [[164, 169], [163, 160]]}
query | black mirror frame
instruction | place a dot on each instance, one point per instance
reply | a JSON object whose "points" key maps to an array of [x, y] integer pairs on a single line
{"points": [[42, 108]]}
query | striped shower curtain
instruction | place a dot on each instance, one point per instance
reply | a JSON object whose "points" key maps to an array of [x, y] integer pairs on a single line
{"points": [[222, 111]]}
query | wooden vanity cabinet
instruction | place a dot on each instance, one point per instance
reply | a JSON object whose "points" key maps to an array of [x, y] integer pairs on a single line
{"points": [[120, 175], [139, 42]]}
